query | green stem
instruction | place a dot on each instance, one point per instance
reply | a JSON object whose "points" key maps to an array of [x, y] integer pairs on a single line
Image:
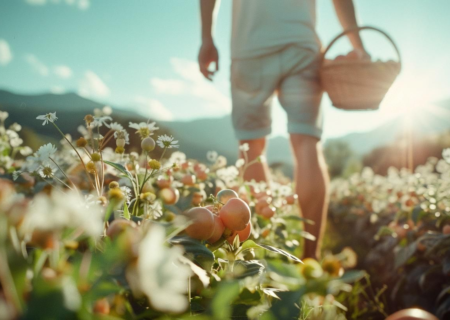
{"points": [[65, 175], [79, 156]]}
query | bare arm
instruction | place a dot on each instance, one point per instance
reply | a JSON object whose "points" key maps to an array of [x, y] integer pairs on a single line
{"points": [[345, 11], [208, 51]]}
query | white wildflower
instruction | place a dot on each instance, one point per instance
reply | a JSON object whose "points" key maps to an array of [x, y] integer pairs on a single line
{"points": [[155, 209], [114, 126], [100, 121], [212, 156], [177, 157], [127, 193], [240, 163], [166, 141], [162, 278], [15, 127], [144, 129], [49, 117], [47, 170], [16, 174], [3, 115], [446, 155], [44, 153], [122, 134], [244, 147]]}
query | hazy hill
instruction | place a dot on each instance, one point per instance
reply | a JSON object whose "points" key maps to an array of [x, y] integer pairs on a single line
{"points": [[200, 136]]}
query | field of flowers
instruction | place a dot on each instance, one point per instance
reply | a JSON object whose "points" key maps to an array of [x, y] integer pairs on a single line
{"points": [[92, 229]]}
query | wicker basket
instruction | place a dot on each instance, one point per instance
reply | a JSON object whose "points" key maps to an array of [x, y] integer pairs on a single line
{"points": [[358, 84]]}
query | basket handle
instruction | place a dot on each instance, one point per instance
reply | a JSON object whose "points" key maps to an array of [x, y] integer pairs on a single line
{"points": [[359, 29]]}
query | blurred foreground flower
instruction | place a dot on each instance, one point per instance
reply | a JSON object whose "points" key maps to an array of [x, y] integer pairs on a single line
{"points": [[159, 273], [63, 210]]}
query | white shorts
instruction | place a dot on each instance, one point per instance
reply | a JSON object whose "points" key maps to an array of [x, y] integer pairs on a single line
{"points": [[293, 74]]}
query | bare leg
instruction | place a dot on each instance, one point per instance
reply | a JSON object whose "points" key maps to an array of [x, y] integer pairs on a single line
{"points": [[311, 184], [258, 171]]}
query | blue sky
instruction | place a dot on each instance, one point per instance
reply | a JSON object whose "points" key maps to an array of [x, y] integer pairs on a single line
{"points": [[141, 54]]}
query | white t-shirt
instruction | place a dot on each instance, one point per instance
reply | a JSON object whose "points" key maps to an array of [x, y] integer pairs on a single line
{"points": [[262, 27]]}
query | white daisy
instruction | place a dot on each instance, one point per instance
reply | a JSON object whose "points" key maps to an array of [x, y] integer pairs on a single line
{"points": [[122, 134], [166, 141], [47, 171], [45, 152], [49, 117], [114, 126], [99, 121], [144, 129], [212, 156]]}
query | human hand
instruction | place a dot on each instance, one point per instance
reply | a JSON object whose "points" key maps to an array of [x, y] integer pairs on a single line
{"points": [[358, 54], [207, 55]]}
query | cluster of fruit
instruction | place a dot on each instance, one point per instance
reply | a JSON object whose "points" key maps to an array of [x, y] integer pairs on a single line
{"points": [[228, 217]]}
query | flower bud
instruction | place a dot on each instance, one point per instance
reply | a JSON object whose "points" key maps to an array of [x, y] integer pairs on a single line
{"points": [[120, 150], [148, 144], [114, 185], [120, 143], [81, 142], [96, 157], [154, 164], [90, 166]]}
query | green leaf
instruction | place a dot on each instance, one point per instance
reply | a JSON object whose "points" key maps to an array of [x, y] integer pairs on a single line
{"points": [[126, 212], [404, 254], [352, 276], [298, 218], [250, 268], [195, 251], [121, 168], [279, 251], [221, 304]]}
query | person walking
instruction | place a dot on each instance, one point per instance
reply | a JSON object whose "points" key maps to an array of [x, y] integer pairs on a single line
{"points": [[275, 50]]}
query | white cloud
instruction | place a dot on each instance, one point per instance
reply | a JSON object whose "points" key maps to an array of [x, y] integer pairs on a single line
{"points": [[153, 108], [169, 86], [92, 86], [57, 90], [37, 65], [64, 72], [192, 84], [5, 53]]}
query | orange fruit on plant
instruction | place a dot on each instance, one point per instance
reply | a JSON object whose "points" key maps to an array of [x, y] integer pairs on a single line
{"points": [[197, 198], [267, 212], [202, 227], [226, 194], [411, 314], [446, 229], [188, 180], [235, 214], [202, 175], [101, 306], [163, 182], [169, 195], [219, 227], [262, 203], [290, 199], [118, 226], [243, 235]]}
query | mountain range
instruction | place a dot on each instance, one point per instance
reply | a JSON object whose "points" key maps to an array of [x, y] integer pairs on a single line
{"points": [[199, 136]]}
